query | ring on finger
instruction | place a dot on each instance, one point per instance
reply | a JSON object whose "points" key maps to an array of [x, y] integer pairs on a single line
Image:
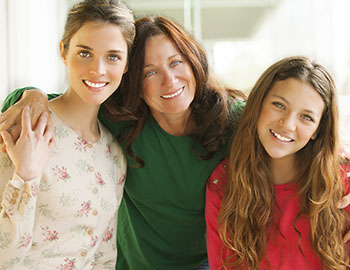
{"points": [[11, 128]]}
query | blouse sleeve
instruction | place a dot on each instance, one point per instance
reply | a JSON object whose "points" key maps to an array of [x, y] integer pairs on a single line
{"points": [[17, 215], [214, 195]]}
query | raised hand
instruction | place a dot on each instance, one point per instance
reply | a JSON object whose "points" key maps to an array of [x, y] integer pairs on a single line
{"points": [[10, 120], [33, 147]]}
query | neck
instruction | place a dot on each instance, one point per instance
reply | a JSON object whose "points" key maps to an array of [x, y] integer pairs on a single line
{"points": [[174, 124], [79, 116], [283, 170]]}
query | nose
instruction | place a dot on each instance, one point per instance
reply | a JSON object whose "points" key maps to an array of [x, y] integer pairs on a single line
{"points": [[169, 78], [288, 122], [97, 67]]}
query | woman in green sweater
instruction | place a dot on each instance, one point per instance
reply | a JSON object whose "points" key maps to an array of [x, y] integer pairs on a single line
{"points": [[176, 122]]}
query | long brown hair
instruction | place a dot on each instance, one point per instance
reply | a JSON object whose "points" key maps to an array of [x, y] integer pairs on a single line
{"points": [[247, 206], [210, 112]]}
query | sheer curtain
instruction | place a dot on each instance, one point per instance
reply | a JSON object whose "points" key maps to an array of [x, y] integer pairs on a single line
{"points": [[30, 31]]}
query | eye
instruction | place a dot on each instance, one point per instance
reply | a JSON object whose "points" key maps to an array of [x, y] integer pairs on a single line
{"points": [[278, 105], [150, 73], [114, 57], [175, 63], [307, 117], [84, 54]]}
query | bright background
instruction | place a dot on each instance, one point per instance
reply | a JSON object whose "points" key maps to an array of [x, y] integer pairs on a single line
{"points": [[242, 38]]}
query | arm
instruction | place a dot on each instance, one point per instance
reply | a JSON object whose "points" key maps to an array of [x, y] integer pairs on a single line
{"points": [[10, 119], [106, 254], [214, 195], [19, 195], [107, 248], [345, 202]]}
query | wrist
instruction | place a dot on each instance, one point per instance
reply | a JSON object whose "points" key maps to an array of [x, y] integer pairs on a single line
{"points": [[26, 176]]}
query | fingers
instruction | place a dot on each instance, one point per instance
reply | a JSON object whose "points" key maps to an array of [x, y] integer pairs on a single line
{"points": [[345, 201], [15, 131], [2, 146], [52, 144], [42, 123], [3, 117], [9, 120], [26, 124], [346, 237], [5, 124], [48, 134], [7, 139]]}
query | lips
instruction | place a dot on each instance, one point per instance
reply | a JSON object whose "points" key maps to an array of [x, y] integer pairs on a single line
{"points": [[280, 137], [95, 84], [174, 94]]}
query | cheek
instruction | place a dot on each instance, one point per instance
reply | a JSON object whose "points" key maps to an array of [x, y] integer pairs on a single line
{"points": [[145, 94], [76, 67], [117, 73], [265, 116], [308, 132], [149, 88]]}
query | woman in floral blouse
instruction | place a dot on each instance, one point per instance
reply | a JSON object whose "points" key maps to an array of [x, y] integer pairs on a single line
{"points": [[59, 198]]}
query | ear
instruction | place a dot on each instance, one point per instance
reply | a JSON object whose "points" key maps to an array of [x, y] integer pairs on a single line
{"points": [[62, 52], [314, 136], [126, 68], [141, 94]]}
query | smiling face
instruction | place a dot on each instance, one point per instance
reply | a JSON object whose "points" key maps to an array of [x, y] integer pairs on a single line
{"points": [[169, 85], [289, 118], [96, 61]]}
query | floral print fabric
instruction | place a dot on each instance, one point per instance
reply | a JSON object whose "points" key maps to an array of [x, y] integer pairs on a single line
{"points": [[66, 219]]}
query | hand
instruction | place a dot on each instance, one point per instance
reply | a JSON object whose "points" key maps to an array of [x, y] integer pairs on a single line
{"points": [[11, 119], [33, 147], [345, 201]]}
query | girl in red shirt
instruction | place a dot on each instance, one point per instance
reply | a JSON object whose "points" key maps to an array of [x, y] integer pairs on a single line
{"points": [[273, 203]]}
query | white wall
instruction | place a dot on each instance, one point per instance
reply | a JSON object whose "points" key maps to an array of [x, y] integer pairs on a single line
{"points": [[29, 37]]}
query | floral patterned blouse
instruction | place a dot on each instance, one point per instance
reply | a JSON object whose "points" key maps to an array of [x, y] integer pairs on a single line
{"points": [[67, 218]]}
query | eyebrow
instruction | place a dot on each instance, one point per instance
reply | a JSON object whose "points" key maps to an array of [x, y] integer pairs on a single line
{"points": [[89, 48], [172, 56], [286, 101]]}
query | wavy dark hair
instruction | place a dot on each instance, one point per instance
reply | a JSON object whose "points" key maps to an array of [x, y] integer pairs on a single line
{"points": [[243, 230], [210, 110]]}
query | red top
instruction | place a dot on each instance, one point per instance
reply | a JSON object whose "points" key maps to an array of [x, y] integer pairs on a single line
{"points": [[282, 249]]}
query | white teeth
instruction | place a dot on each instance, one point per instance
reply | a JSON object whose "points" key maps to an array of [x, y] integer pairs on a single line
{"points": [[173, 95], [280, 137], [95, 85]]}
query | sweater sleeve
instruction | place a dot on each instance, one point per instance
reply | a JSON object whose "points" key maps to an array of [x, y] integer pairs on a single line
{"points": [[214, 195], [14, 96], [17, 217]]}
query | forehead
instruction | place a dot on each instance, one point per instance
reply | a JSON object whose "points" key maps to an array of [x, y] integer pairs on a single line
{"points": [[298, 93], [159, 46], [99, 33]]}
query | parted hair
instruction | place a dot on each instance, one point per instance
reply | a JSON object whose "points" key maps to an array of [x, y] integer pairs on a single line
{"points": [[210, 112], [104, 11], [247, 206]]}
